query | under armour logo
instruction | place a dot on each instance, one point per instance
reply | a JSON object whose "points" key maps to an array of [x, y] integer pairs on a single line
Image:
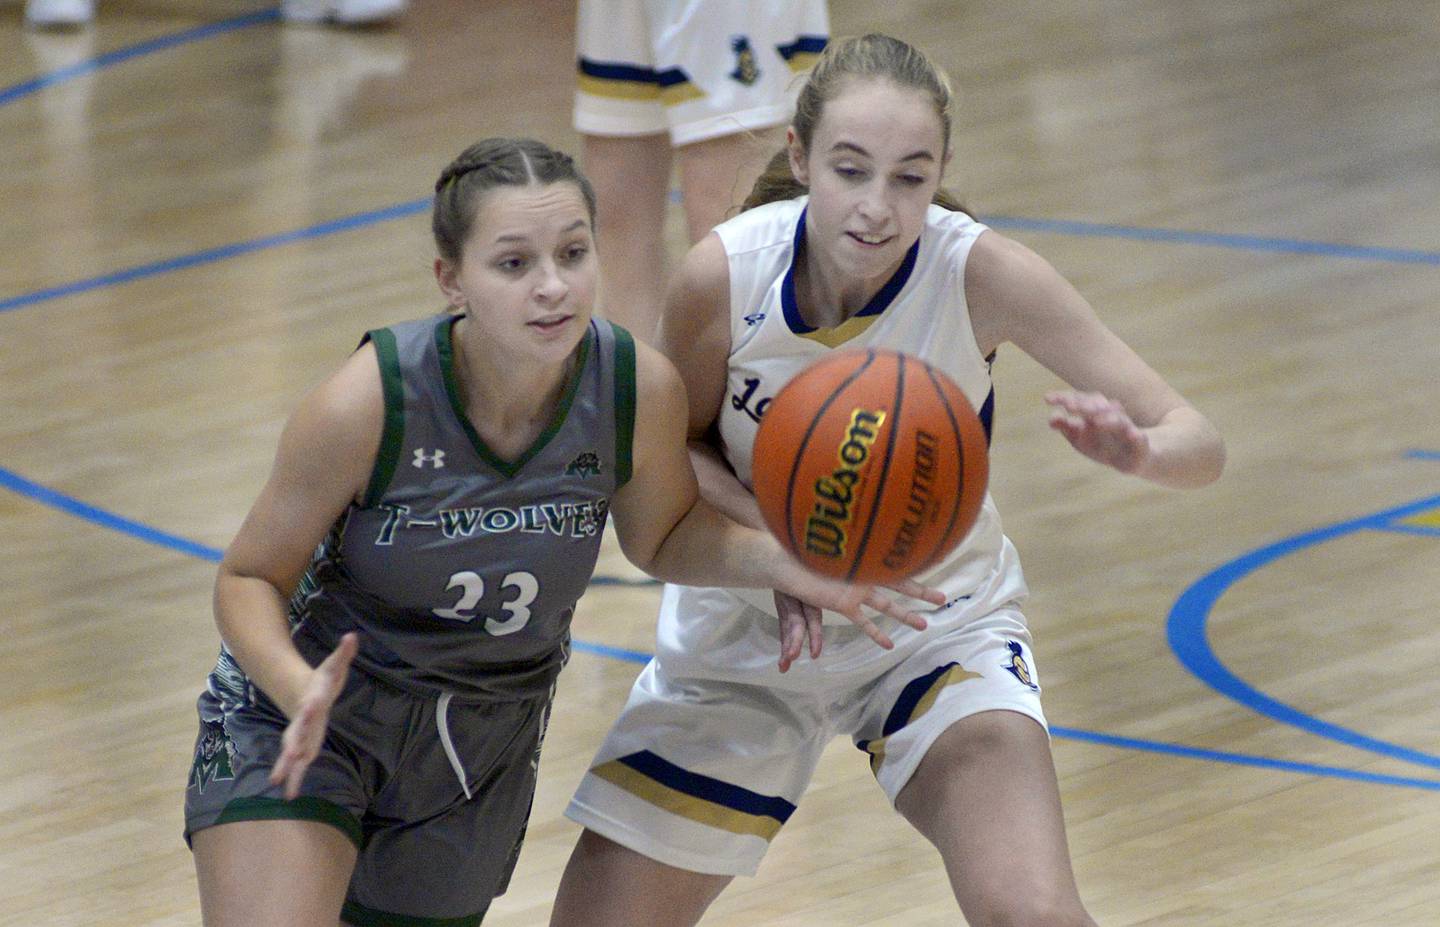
{"points": [[436, 460], [754, 318]]}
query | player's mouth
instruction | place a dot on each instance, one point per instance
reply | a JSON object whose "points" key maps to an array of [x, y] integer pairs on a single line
{"points": [[866, 240], [550, 323]]}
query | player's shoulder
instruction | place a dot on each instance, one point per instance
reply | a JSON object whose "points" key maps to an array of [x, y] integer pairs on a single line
{"points": [[771, 225]]}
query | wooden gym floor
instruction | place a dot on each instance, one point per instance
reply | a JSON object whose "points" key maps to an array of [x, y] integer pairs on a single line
{"points": [[203, 209]]}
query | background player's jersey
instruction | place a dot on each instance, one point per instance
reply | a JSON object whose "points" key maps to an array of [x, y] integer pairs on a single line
{"points": [[921, 310], [461, 570]]}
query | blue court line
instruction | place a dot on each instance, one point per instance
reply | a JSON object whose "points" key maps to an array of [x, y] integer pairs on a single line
{"points": [[1423, 530], [72, 506], [1243, 759], [1422, 455], [1186, 632], [1216, 240], [412, 207], [210, 30], [614, 653], [110, 59], [46, 496], [211, 255]]}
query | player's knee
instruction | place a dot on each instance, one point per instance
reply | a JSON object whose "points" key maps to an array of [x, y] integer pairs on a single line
{"points": [[1017, 908]]}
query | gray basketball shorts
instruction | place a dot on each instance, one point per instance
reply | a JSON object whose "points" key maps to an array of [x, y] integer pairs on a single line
{"points": [[435, 793]]}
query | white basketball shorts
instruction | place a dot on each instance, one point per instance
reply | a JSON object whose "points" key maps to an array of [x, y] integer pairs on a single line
{"points": [[698, 69], [701, 773]]}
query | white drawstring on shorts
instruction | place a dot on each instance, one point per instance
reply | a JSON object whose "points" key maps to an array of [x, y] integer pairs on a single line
{"points": [[442, 708]]}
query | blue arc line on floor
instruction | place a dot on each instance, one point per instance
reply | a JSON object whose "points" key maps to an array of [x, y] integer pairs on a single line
{"points": [[68, 504], [1186, 630]]}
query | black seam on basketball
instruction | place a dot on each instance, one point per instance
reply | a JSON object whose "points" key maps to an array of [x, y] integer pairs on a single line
{"points": [[878, 494], [941, 544], [799, 453]]}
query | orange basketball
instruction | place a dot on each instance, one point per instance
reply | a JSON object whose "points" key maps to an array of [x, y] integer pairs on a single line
{"points": [[870, 466]]}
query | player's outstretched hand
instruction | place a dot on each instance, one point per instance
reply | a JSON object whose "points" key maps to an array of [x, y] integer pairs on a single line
{"points": [[799, 603], [1099, 428], [306, 731]]}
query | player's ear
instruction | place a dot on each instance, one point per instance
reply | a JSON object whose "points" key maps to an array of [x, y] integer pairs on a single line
{"points": [[796, 150], [447, 274]]}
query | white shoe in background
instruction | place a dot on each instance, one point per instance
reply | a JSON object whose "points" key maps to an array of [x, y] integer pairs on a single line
{"points": [[343, 12], [56, 14]]}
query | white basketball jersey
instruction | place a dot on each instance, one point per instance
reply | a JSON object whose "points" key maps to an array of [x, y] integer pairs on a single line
{"points": [[921, 311]]}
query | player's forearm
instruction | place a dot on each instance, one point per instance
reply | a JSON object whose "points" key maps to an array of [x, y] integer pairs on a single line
{"points": [[1186, 451], [250, 614], [721, 487], [708, 548]]}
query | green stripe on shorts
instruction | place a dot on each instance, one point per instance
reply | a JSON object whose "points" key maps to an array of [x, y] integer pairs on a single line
{"points": [[305, 808]]}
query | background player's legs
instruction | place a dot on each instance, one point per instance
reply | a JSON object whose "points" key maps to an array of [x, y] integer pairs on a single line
{"points": [[716, 175], [608, 885], [277, 873], [987, 797], [631, 176]]}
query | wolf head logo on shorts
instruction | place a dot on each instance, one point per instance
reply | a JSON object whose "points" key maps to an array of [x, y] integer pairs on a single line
{"points": [[214, 757], [1017, 665], [746, 70]]}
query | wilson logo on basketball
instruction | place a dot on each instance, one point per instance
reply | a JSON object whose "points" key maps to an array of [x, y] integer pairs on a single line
{"points": [[827, 530], [902, 496]]}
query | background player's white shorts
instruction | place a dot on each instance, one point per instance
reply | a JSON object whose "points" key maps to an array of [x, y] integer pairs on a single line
{"points": [[697, 68], [701, 773]]}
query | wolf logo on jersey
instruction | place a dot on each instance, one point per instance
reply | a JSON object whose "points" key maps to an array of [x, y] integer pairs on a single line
{"points": [[214, 757], [586, 464]]}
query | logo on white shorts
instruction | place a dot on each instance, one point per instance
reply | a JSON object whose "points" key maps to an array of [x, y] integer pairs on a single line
{"points": [[1018, 667]]}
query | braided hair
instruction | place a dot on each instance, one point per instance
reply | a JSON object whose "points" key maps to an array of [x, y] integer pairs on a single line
{"points": [[491, 163]]}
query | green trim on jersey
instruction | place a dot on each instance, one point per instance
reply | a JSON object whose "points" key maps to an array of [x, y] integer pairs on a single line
{"points": [[304, 808], [624, 404], [356, 913], [445, 344], [392, 439]]}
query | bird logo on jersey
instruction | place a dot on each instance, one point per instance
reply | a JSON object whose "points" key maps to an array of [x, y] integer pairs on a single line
{"points": [[746, 70], [1018, 667], [586, 464]]}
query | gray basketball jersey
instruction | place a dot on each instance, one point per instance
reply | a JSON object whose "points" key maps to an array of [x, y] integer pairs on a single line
{"points": [[461, 570]]}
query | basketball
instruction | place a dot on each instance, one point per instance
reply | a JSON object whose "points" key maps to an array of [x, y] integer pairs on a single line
{"points": [[870, 466]]}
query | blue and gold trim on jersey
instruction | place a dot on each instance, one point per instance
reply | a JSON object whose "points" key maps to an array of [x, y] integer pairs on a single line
{"points": [[698, 798], [857, 324], [917, 698], [620, 81], [803, 52]]}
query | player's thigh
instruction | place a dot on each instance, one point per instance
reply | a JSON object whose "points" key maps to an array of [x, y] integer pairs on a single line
{"points": [[608, 885], [716, 175], [281, 873], [986, 795], [630, 173]]}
